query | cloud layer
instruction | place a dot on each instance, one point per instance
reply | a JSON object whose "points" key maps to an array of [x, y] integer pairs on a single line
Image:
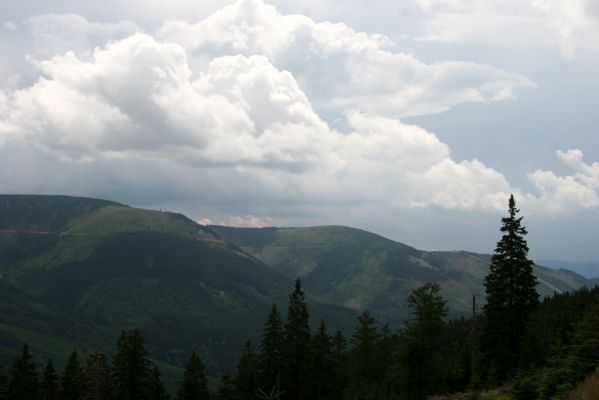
{"points": [[340, 68], [572, 26], [267, 116]]}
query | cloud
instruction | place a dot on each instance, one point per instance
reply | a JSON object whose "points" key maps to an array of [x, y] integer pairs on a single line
{"points": [[340, 68], [59, 33], [569, 25], [247, 221], [242, 127], [559, 194], [226, 119], [588, 174], [466, 185], [10, 25]]}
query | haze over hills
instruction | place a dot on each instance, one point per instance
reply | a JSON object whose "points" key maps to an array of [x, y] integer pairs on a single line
{"points": [[588, 269], [360, 270]]}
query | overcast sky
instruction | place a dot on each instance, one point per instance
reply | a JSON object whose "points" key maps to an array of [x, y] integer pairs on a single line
{"points": [[412, 119]]}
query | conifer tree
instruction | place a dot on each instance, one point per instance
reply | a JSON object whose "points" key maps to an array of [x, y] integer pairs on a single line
{"points": [[363, 356], [339, 344], [226, 391], [421, 362], [3, 385], [50, 388], [511, 296], [23, 382], [246, 379], [340, 364], [97, 377], [72, 382], [297, 343], [383, 361], [270, 360], [194, 385], [320, 366], [131, 367], [157, 390]]}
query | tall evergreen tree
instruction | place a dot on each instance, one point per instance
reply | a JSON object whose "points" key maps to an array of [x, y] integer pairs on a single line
{"points": [[157, 390], [226, 391], [50, 388], [320, 376], [97, 377], [340, 364], [270, 359], [3, 385], [73, 380], [23, 382], [421, 362], [511, 296], [363, 356], [297, 343], [194, 385], [383, 362], [131, 367], [246, 379]]}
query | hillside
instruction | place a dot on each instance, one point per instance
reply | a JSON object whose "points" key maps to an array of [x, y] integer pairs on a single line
{"points": [[50, 332], [588, 269], [109, 267], [358, 269]]}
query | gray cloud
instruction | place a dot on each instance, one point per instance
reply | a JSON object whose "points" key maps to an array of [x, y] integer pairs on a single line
{"points": [[229, 118]]}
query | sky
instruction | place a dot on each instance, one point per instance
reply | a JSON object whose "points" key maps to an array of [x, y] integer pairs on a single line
{"points": [[415, 119]]}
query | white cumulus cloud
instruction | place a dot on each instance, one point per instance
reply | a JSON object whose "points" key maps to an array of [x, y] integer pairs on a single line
{"points": [[228, 112], [567, 193], [340, 68]]}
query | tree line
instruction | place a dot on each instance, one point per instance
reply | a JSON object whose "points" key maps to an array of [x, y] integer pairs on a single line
{"points": [[542, 348]]}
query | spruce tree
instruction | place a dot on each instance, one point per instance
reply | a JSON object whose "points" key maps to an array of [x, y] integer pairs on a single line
{"points": [[97, 377], [226, 391], [421, 359], [246, 380], [72, 382], [23, 382], [297, 343], [50, 388], [194, 385], [270, 359], [511, 296], [157, 390], [131, 367], [340, 364], [363, 355], [3, 385], [320, 366], [383, 362]]}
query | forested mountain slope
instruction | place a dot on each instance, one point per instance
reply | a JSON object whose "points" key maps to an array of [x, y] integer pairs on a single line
{"points": [[107, 267], [362, 270]]}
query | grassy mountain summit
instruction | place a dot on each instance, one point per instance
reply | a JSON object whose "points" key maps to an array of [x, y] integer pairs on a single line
{"points": [[359, 269]]}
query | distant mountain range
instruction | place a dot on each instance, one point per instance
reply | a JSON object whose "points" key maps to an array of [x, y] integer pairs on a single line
{"points": [[588, 269], [76, 271], [361, 270]]}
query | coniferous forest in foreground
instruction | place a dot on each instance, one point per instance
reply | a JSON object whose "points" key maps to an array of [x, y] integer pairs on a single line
{"points": [[528, 347]]}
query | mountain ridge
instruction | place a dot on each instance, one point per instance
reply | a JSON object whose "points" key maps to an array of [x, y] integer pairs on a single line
{"points": [[103, 266], [357, 260], [115, 267]]}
